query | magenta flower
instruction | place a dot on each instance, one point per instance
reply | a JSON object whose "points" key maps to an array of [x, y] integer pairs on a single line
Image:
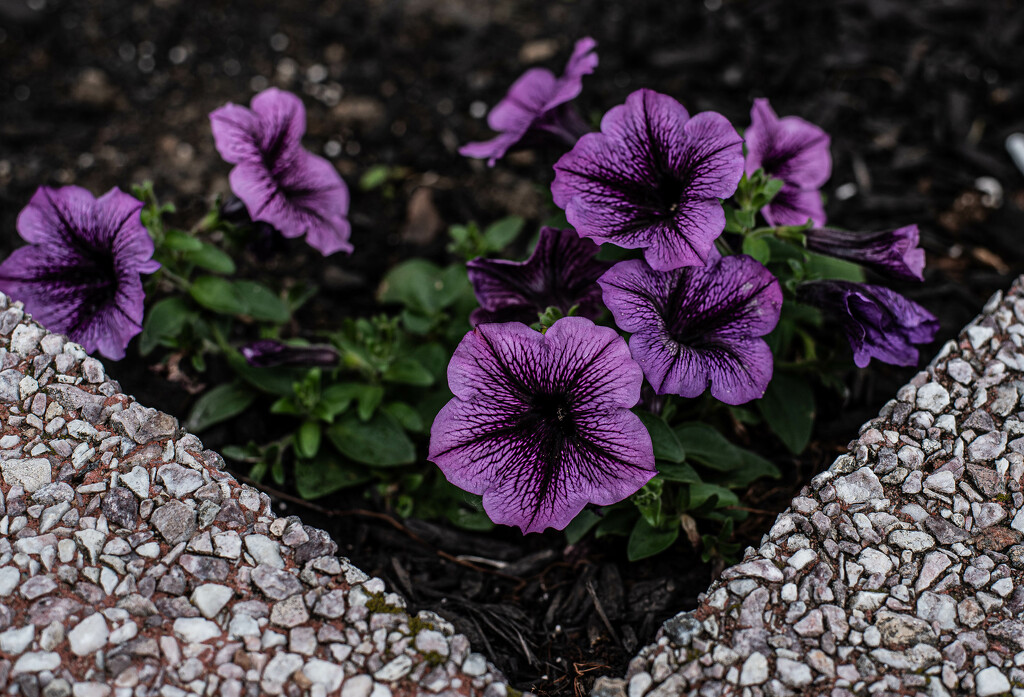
{"points": [[892, 252], [267, 353], [796, 152], [561, 272], [536, 108], [698, 328], [79, 274], [652, 179], [878, 322], [280, 183], [540, 424]]}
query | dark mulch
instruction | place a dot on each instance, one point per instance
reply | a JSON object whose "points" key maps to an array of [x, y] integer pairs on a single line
{"points": [[918, 96]]}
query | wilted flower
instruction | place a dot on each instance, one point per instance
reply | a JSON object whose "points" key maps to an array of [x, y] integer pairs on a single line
{"points": [[536, 108], [79, 274], [652, 179], [699, 327], [795, 151], [878, 322], [891, 252], [267, 353], [561, 272], [280, 183], [540, 424]]}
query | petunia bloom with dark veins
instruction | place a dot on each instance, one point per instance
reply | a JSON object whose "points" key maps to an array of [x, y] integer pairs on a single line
{"points": [[79, 274], [698, 328], [891, 252], [795, 151], [536, 109], [879, 323], [541, 423], [267, 353], [652, 179], [561, 272], [280, 183]]}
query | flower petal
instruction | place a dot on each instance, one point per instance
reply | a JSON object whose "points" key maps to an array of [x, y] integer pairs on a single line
{"points": [[793, 206], [282, 122], [789, 148], [236, 133]]}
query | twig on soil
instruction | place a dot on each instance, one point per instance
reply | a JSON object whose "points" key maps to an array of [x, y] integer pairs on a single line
{"points": [[601, 613]]}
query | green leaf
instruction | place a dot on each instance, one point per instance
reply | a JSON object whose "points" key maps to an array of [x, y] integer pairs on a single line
{"points": [[219, 404], [502, 233], [220, 295], [646, 541], [788, 408], [322, 476], [819, 266], [307, 440], [737, 467], [164, 322], [262, 303], [277, 381], [666, 444], [381, 441], [618, 521], [706, 497], [423, 287], [408, 417], [210, 258], [678, 472], [475, 520], [375, 177], [757, 248], [581, 525], [181, 241], [408, 371]]}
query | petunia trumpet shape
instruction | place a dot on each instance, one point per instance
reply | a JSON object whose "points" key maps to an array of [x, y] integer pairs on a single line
{"points": [[79, 274], [891, 252], [795, 151], [879, 323], [540, 424], [561, 272], [280, 183], [267, 353], [698, 328], [536, 108], [652, 179]]}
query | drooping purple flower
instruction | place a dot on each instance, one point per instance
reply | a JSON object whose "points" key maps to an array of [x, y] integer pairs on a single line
{"points": [[652, 179], [536, 108], [698, 328], [79, 274], [281, 183], [540, 424], [267, 353], [892, 252], [561, 272], [795, 151], [879, 323]]}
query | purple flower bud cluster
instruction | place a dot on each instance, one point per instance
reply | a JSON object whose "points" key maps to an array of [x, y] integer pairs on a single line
{"points": [[539, 424]]}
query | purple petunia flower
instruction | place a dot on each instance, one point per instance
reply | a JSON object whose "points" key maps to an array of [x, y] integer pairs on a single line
{"points": [[540, 424], [280, 183], [891, 252], [267, 353], [561, 272], [79, 274], [698, 328], [536, 108], [652, 179], [794, 151], [878, 322]]}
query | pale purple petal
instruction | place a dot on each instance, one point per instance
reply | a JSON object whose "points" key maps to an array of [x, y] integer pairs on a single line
{"points": [[789, 148], [698, 328], [793, 206], [878, 322], [652, 179], [540, 424], [582, 62], [81, 275], [279, 182], [561, 272]]}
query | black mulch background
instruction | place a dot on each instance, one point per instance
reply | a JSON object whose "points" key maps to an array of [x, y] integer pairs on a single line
{"points": [[918, 95]]}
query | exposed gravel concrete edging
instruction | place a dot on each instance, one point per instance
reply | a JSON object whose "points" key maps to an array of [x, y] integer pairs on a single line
{"points": [[131, 564], [898, 571]]}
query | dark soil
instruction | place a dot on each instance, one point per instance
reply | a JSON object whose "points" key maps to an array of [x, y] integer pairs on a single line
{"points": [[919, 97]]}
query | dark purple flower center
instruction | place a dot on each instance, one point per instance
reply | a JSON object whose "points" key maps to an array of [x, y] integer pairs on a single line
{"points": [[552, 413]]}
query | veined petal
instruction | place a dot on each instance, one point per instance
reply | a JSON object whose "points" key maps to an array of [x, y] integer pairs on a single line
{"points": [[793, 206], [236, 133], [282, 122], [789, 148]]}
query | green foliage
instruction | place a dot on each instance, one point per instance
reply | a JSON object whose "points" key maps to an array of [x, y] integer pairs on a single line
{"points": [[469, 242]]}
